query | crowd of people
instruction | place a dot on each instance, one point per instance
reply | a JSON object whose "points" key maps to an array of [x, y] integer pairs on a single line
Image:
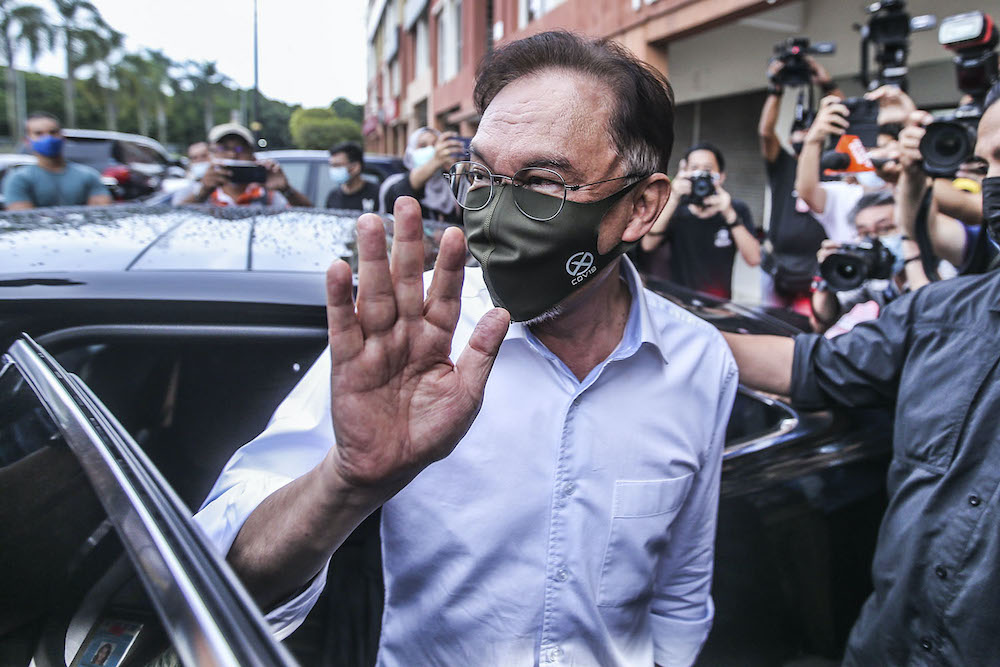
{"points": [[558, 344]]}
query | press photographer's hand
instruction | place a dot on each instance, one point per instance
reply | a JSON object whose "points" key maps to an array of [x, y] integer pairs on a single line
{"points": [[830, 120], [910, 137]]}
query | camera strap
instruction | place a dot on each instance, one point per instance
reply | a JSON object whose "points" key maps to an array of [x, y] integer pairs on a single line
{"points": [[927, 257]]}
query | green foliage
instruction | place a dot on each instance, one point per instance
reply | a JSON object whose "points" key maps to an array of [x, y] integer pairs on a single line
{"points": [[347, 109], [320, 128]]}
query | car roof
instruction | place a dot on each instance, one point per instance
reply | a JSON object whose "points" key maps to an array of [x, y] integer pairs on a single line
{"points": [[76, 133]]}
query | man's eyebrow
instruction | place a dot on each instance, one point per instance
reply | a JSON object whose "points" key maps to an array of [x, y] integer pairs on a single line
{"points": [[557, 163]]}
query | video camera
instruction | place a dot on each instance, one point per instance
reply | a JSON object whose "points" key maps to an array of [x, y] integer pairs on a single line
{"points": [[951, 141], [792, 52], [856, 263], [702, 186], [888, 32]]}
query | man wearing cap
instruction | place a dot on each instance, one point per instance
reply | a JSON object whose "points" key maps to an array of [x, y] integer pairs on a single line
{"points": [[233, 142]]}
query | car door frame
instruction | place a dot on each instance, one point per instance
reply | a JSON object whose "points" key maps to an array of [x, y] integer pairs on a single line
{"points": [[206, 612]]}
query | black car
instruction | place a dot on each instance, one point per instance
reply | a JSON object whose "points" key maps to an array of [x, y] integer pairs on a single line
{"points": [[191, 324]]}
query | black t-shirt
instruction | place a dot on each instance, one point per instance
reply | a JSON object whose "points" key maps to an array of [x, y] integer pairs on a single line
{"points": [[365, 199], [702, 250], [791, 232], [402, 188]]}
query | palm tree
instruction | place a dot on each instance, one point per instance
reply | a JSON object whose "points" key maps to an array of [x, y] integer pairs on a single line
{"points": [[135, 80], [205, 81], [99, 52], [161, 69], [81, 28], [25, 25]]}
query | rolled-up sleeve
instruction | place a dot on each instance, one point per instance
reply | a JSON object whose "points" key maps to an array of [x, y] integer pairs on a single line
{"points": [[860, 368], [682, 609]]}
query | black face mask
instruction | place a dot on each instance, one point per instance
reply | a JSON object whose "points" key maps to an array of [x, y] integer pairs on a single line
{"points": [[530, 266], [991, 206]]}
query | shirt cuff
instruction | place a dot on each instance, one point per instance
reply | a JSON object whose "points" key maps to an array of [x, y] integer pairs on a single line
{"points": [[805, 391], [677, 642]]}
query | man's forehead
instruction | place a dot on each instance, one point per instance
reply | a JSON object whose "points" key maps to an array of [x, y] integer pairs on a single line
{"points": [[549, 117]]}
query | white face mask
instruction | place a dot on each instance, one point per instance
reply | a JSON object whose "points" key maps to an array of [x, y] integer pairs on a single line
{"points": [[422, 156], [198, 169], [339, 175]]}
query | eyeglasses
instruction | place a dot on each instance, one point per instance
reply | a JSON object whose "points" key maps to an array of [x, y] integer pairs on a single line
{"points": [[473, 186], [237, 149]]}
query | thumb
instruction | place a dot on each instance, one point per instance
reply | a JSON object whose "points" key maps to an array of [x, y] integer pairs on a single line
{"points": [[476, 361]]}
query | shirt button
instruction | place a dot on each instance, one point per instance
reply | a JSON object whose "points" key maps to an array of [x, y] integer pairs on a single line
{"points": [[556, 653], [925, 644], [562, 574], [569, 488], [975, 500], [941, 572]]}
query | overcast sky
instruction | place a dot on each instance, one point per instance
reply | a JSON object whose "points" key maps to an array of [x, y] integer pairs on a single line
{"points": [[311, 51]]}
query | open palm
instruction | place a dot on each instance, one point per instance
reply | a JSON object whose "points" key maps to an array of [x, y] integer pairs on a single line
{"points": [[397, 400]]}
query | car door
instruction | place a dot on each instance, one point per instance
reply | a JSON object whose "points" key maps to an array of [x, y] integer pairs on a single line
{"points": [[101, 562]]}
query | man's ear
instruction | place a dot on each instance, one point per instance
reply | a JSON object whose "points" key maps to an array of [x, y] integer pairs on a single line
{"points": [[647, 203]]}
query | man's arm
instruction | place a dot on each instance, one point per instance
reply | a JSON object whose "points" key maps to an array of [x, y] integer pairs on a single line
{"points": [[831, 119], [770, 145], [825, 308], [681, 609], [389, 356], [98, 193], [964, 206], [99, 200], [15, 191], [947, 235], [765, 362]]}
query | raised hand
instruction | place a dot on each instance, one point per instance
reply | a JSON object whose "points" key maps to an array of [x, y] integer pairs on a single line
{"points": [[397, 400]]}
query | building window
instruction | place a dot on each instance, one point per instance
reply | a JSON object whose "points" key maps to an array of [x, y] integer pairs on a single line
{"points": [[529, 10], [422, 49], [394, 78], [449, 40]]}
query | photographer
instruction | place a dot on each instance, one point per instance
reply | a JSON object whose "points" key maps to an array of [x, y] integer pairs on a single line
{"points": [[931, 357], [830, 201], [793, 234], [704, 226], [221, 185], [954, 216], [834, 311], [428, 154]]}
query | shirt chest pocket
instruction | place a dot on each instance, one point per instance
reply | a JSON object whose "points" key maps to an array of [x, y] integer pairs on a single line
{"points": [[642, 512]]}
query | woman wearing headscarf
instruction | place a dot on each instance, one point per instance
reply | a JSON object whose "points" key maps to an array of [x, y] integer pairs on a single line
{"points": [[429, 153]]}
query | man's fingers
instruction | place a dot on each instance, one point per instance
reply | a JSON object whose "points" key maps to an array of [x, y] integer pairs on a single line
{"points": [[346, 339], [376, 301], [444, 296], [476, 361], [408, 258]]}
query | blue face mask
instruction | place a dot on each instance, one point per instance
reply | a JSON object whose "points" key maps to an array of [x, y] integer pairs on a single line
{"points": [[48, 146], [339, 175], [422, 156], [894, 244]]}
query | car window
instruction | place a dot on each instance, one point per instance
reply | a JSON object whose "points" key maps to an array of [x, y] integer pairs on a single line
{"points": [[297, 172], [91, 534], [755, 416], [94, 153], [59, 551], [130, 152]]}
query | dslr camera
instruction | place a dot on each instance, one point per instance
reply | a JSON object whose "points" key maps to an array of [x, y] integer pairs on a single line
{"points": [[951, 141], [855, 263], [702, 186], [792, 52], [887, 33]]}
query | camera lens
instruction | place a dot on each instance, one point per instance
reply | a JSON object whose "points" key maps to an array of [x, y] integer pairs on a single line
{"points": [[945, 146]]}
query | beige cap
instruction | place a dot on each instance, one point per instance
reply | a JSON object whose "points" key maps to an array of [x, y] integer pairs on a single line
{"points": [[219, 131]]}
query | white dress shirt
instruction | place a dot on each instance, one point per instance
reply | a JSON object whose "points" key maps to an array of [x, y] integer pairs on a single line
{"points": [[573, 524]]}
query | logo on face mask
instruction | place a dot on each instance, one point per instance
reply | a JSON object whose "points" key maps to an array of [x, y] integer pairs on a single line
{"points": [[580, 266]]}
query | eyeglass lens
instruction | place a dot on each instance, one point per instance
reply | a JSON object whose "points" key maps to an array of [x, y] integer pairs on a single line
{"points": [[538, 192]]}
